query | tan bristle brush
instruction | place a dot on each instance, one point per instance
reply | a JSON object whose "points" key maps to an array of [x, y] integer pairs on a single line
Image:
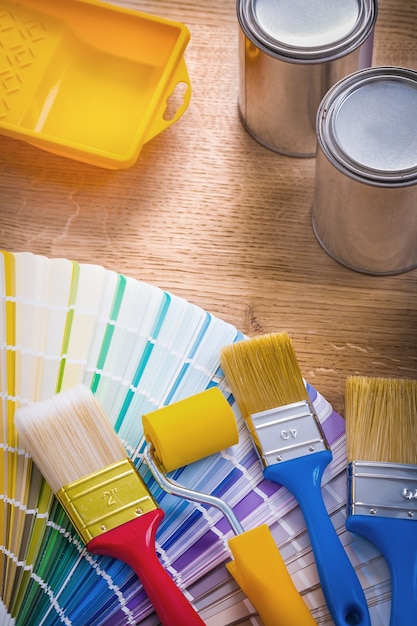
{"points": [[381, 433], [187, 431], [83, 461], [265, 379]]}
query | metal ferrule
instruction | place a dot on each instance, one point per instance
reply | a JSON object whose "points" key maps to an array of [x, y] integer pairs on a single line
{"points": [[382, 490], [174, 488], [106, 499], [287, 432]]}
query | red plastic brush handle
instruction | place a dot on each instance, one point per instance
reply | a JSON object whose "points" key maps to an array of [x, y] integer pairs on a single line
{"points": [[134, 544]]}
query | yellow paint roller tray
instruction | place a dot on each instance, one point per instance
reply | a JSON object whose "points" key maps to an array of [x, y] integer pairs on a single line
{"points": [[88, 80]]}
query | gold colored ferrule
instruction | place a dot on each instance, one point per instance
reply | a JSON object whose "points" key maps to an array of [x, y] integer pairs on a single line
{"points": [[106, 499]]}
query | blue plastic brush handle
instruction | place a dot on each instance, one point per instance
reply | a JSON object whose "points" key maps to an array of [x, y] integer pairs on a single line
{"points": [[341, 588], [396, 539]]}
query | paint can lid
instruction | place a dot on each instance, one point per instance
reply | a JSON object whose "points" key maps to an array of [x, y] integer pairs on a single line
{"points": [[306, 31], [366, 125]]}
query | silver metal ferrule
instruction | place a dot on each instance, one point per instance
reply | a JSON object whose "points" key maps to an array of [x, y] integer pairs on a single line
{"points": [[287, 432], [174, 488], [382, 489]]}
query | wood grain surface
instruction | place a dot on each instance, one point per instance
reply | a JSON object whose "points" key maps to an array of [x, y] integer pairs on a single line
{"points": [[209, 214]]}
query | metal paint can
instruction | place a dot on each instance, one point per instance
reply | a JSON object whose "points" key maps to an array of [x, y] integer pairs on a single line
{"points": [[290, 53], [365, 198]]}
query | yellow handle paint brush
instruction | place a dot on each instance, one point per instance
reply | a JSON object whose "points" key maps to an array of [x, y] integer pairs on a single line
{"points": [[83, 461], [189, 430], [381, 434], [266, 381]]}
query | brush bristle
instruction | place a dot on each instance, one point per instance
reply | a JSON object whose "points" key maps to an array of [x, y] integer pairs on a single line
{"points": [[68, 436], [381, 416], [263, 373]]}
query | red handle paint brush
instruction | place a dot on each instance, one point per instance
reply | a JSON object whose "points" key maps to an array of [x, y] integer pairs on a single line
{"points": [[83, 461]]}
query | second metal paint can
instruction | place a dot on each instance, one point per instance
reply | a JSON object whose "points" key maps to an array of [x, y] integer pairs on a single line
{"points": [[364, 210], [290, 53]]}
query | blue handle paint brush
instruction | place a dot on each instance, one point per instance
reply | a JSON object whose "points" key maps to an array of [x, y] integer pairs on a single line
{"points": [[265, 379], [381, 433]]}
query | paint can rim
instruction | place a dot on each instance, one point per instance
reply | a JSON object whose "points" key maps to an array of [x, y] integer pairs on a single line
{"points": [[264, 35], [364, 126]]}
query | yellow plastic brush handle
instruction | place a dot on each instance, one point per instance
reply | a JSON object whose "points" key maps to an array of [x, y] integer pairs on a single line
{"points": [[191, 429], [261, 573]]}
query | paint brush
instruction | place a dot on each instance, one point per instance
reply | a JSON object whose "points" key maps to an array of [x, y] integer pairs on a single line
{"points": [[265, 379], [381, 434], [84, 462]]}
